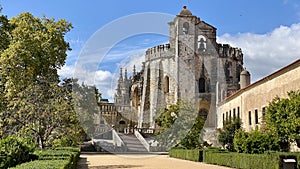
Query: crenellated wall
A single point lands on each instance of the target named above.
(225, 50)
(158, 52)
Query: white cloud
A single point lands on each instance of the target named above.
(103, 80)
(265, 53)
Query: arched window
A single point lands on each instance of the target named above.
(185, 28)
(167, 84)
(203, 113)
(201, 85)
(201, 43)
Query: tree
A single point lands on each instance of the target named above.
(283, 119)
(35, 102)
(256, 142)
(71, 132)
(5, 30)
(226, 135)
(86, 105)
(181, 126)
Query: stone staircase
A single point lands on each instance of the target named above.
(132, 143)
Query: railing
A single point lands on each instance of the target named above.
(142, 140)
(116, 139)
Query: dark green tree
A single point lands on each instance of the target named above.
(283, 119)
(181, 126)
(255, 142)
(86, 105)
(226, 135)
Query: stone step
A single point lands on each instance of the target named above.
(132, 143)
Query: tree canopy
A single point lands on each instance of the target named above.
(226, 135)
(181, 126)
(32, 51)
(283, 119)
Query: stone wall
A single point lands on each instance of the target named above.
(251, 101)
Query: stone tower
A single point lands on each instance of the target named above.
(192, 67)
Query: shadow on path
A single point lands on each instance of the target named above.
(114, 166)
(82, 163)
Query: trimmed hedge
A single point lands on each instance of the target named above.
(44, 164)
(15, 150)
(192, 155)
(58, 158)
(247, 161)
(235, 160)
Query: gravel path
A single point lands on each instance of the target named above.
(109, 161)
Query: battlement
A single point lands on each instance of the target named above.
(225, 50)
(158, 51)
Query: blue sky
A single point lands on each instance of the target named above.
(268, 31)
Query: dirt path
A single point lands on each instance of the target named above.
(109, 161)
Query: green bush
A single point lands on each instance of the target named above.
(64, 142)
(44, 164)
(192, 155)
(226, 135)
(60, 153)
(15, 150)
(256, 142)
(247, 161)
(57, 158)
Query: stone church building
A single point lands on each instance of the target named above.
(191, 67)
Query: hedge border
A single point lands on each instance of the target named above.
(235, 160)
(58, 158)
(248, 161)
(192, 155)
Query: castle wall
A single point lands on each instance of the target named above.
(159, 64)
(257, 96)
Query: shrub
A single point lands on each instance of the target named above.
(255, 142)
(226, 135)
(60, 153)
(192, 155)
(247, 161)
(57, 158)
(15, 150)
(64, 142)
(239, 160)
(44, 164)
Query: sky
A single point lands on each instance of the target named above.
(267, 31)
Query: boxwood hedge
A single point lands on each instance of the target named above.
(215, 156)
(248, 161)
(58, 158)
(192, 155)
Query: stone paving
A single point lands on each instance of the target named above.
(135, 161)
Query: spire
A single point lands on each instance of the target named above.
(125, 74)
(134, 70)
(121, 74)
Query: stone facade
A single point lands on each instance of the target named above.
(191, 67)
(109, 117)
(249, 103)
